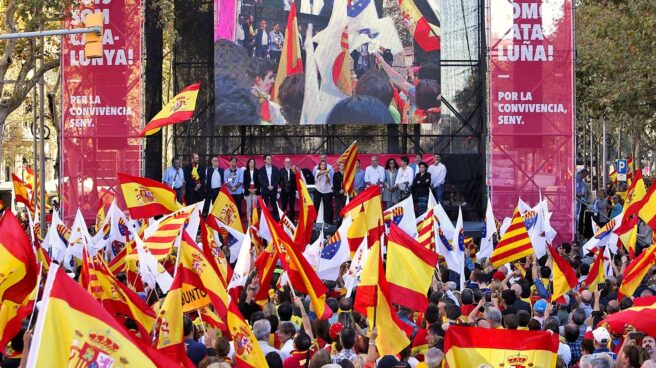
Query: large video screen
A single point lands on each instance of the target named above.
(286, 62)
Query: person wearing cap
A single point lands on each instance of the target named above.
(538, 310)
(601, 338)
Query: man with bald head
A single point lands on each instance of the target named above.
(586, 302)
(613, 306)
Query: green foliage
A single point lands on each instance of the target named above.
(616, 54)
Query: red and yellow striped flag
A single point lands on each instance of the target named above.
(87, 335)
(647, 210)
(564, 277)
(597, 273)
(514, 244)
(160, 242)
(410, 270)
(169, 328)
(374, 300)
(341, 70)
(178, 109)
(21, 193)
(146, 197)
(307, 214)
(18, 268)
(349, 158)
(225, 210)
(478, 347)
(116, 297)
(426, 231)
(290, 57)
(636, 270)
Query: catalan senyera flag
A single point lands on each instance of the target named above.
(410, 269)
(169, 328)
(116, 297)
(597, 273)
(636, 270)
(225, 210)
(87, 335)
(290, 57)
(341, 70)
(247, 350)
(370, 201)
(374, 300)
(478, 347)
(426, 230)
(164, 233)
(146, 197)
(514, 244)
(201, 271)
(425, 27)
(647, 211)
(307, 214)
(180, 108)
(349, 158)
(302, 276)
(564, 277)
(21, 193)
(18, 268)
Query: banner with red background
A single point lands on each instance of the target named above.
(532, 107)
(101, 106)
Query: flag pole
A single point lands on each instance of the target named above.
(202, 323)
(36, 291)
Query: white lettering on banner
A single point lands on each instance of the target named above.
(524, 33)
(507, 104)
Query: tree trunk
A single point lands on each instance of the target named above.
(154, 42)
(3, 119)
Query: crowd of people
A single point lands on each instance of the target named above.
(277, 186)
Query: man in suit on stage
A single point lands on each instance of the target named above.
(288, 188)
(213, 180)
(269, 180)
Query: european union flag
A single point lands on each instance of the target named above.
(461, 240)
(355, 7)
(331, 248)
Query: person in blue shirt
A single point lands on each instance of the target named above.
(233, 178)
(580, 192)
(174, 178)
(358, 182)
(195, 350)
(616, 209)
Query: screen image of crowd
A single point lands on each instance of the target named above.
(332, 62)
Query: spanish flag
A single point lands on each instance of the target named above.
(247, 350)
(146, 197)
(636, 270)
(425, 29)
(18, 268)
(302, 276)
(635, 195)
(225, 210)
(21, 193)
(479, 347)
(514, 244)
(410, 269)
(349, 158)
(177, 110)
(307, 214)
(169, 328)
(116, 297)
(597, 273)
(201, 271)
(374, 300)
(212, 250)
(265, 264)
(564, 277)
(356, 233)
(87, 335)
(647, 210)
(628, 235)
(370, 201)
(290, 57)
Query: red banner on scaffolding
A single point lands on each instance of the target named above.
(532, 107)
(101, 107)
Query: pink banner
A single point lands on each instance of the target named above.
(101, 106)
(225, 19)
(532, 107)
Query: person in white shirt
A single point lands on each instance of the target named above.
(174, 178)
(438, 176)
(404, 177)
(322, 157)
(374, 174)
(213, 180)
(286, 332)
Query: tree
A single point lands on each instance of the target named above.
(18, 57)
(615, 58)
